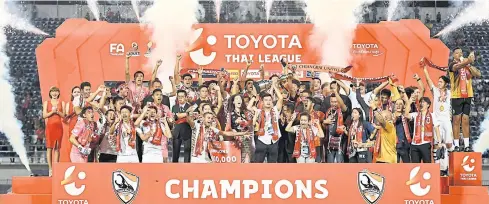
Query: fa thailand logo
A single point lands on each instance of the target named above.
(197, 56)
(69, 183)
(468, 165)
(125, 185)
(371, 186)
(415, 179)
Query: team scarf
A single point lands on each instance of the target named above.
(199, 141)
(464, 78)
(405, 126)
(339, 120)
(243, 125)
(318, 68)
(261, 131)
(342, 76)
(311, 139)
(356, 133)
(132, 139)
(157, 134)
(425, 123)
(88, 134)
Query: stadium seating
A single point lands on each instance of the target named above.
(23, 69)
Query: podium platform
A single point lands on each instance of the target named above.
(464, 184)
(29, 190)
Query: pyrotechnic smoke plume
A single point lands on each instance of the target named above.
(334, 22)
(134, 4)
(268, 7)
(93, 6)
(218, 4)
(394, 12)
(9, 124)
(171, 22)
(476, 13)
(482, 144)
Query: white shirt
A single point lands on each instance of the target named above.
(126, 150)
(147, 145)
(435, 122)
(355, 103)
(195, 133)
(267, 138)
(441, 110)
(77, 102)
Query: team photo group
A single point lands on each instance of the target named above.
(279, 119)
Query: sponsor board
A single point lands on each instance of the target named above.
(269, 183)
(465, 169)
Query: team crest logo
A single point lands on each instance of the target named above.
(134, 50)
(150, 47)
(125, 185)
(371, 186)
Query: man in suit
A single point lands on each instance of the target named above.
(156, 84)
(182, 133)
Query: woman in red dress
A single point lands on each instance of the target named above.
(70, 118)
(53, 114)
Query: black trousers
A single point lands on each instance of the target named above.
(403, 155)
(270, 151)
(421, 153)
(177, 143)
(362, 157)
(107, 158)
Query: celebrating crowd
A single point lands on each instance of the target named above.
(279, 119)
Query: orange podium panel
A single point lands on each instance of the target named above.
(31, 185)
(444, 185)
(25, 199)
(465, 169)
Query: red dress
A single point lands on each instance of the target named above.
(54, 126)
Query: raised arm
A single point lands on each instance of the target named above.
(428, 79)
(280, 98)
(127, 74)
(155, 72)
(176, 71)
(93, 95)
(380, 119)
(219, 99)
(289, 127)
(344, 87)
(242, 78)
(167, 132)
(421, 86)
(200, 72)
(475, 72)
(173, 87)
(141, 116)
(380, 87)
(340, 101)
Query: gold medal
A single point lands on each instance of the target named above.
(442, 108)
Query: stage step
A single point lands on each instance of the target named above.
(468, 190)
(25, 199)
(445, 185)
(464, 199)
(31, 185)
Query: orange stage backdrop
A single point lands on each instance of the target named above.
(94, 51)
(237, 183)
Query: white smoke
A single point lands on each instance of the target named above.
(218, 4)
(393, 11)
(134, 4)
(482, 144)
(268, 8)
(93, 6)
(10, 125)
(171, 24)
(475, 13)
(334, 22)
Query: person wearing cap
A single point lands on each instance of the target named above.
(53, 114)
